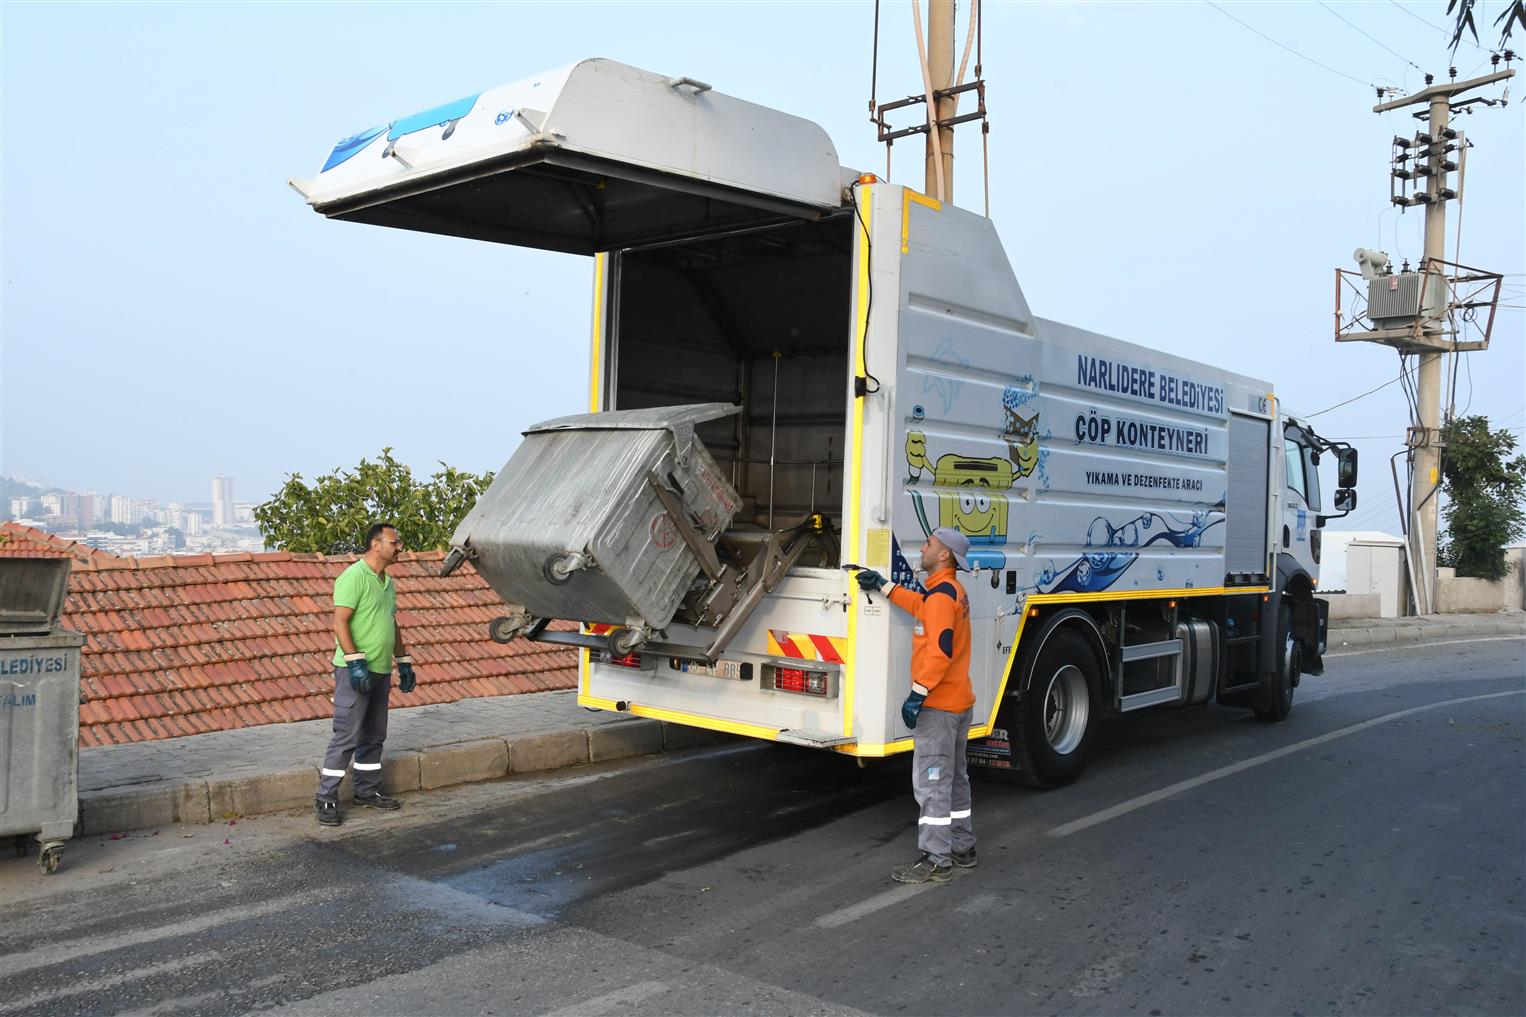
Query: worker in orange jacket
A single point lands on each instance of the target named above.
(940, 707)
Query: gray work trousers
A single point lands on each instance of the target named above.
(940, 779)
(360, 728)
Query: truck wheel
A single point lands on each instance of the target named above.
(1057, 715)
(1276, 701)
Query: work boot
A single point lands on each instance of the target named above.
(377, 800)
(327, 812)
(965, 859)
(922, 871)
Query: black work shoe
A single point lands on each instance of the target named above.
(377, 800)
(965, 859)
(328, 813)
(922, 871)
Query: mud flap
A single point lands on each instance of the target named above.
(1311, 623)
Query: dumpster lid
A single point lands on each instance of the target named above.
(592, 157)
(680, 420)
(655, 418)
(32, 591)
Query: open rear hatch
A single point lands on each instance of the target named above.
(593, 157)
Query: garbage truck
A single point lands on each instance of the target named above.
(798, 369)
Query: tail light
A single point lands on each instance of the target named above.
(797, 679)
(632, 660)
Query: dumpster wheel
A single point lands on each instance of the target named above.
(624, 642)
(503, 630)
(52, 854)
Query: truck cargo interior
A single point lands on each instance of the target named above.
(742, 318)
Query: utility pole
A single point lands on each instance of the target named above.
(940, 68)
(1430, 338)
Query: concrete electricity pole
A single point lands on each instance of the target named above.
(1434, 147)
(940, 68)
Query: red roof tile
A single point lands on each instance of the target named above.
(182, 645)
(17, 540)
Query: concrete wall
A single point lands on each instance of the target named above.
(1344, 606)
(1461, 595)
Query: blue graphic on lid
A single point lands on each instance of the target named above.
(349, 146)
(439, 116)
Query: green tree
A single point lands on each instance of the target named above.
(1513, 15)
(1484, 482)
(331, 515)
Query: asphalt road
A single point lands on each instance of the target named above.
(1367, 856)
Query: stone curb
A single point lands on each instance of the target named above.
(216, 798)
(1420, 632)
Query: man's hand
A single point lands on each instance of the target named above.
(360, 672)
(870, 580)
(911, 708)
(406, 679)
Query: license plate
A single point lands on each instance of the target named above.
(720, 669)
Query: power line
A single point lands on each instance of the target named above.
(1432, 24)
(1364, 395)
(1283, 45)
(1372, 38)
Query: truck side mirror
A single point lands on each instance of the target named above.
(1345, 473)
(1345, 497)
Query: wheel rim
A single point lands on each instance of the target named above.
(1292, 666)
(1067, 707)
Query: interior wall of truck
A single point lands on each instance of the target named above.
(761, 319)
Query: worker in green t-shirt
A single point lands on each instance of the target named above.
(367, 642)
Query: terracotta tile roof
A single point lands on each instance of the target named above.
(193, 643)
(17, 541)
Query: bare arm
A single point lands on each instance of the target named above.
(398, 649)
(342, 629)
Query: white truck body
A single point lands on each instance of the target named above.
(892, 378)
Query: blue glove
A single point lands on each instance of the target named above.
(911, 708)
(360, 672)
(869, 580)
(406, 679)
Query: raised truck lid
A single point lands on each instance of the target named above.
(592, 157)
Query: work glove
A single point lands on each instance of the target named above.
(911, 708)
(360, 672)
(406, 679)
(870, 580)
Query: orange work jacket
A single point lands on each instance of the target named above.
(940, 642)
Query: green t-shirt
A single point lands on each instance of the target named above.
(373, 598)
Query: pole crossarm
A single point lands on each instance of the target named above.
(1447, 90)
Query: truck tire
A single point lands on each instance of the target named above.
(1276, 699)
(1057, 715)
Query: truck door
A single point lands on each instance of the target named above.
(1301, 502)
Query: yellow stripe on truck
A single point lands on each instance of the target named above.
(851, 537)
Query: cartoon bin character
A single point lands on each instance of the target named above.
(979, 509)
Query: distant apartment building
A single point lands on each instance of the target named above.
(222, 501)
(20, 507)
(192, 521)
(53, 504)
(173, 515)
(121, 509)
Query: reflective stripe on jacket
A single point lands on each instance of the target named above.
(940, 642)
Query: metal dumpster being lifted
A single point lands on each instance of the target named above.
(620, 520)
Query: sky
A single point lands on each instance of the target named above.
(1159, 172)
